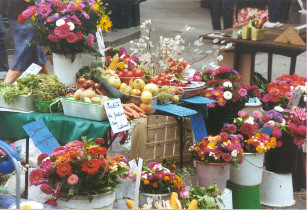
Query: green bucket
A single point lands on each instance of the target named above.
(245, 197)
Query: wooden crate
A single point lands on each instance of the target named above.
(163, 139)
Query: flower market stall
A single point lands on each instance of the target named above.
(117, 132)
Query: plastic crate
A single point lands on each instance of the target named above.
(42, 106)
(23, 103)
(85, 110)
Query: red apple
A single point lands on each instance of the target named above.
(147, 108)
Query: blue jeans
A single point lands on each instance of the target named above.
(4, 65)
(274, 10)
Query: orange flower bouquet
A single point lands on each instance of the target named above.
(78, 168)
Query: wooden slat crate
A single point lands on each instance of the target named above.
(163, 139)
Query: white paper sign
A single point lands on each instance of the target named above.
(32, 69)
(137, 183)
(297, 93)
(100, 43)
(116, 116)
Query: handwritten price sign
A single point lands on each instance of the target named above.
(41, 136)
(116, 116)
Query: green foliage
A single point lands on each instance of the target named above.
(10, 92)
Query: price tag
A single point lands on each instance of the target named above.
(32, 69)
(116, 116)
(198, 126)
(137, 183)
(297, 93)
(100, 43)
(41, 136)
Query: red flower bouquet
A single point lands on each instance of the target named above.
(78, 168)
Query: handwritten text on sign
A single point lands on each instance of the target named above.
(116, 115)
(41, 136)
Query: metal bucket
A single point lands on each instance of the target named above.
(226, 198)
(276, 189)
(250, 171)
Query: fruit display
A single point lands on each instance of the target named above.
(89, 96)
(169, 94)
(86, 84)
(162, 79)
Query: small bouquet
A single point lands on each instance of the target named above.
(281, 91)
(222, 148)
(156, 179)
(67, 27)
(78, 168)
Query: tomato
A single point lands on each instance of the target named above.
(120, 73)
(138, 73)
(169, 78)
(159, 82)
(165, 81)
(152, 80)
(128, 74)
(125, 71)
(134, 69)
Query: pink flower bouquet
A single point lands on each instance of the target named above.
(67, 27)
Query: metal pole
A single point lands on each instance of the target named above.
(27, 171)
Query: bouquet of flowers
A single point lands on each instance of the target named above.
(224, 86)
(67, 27)
(78, 168)
(157, 179)
(222, 148)
(280, 91)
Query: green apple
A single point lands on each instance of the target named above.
(138, 84)
(114, 81)
(153, 88)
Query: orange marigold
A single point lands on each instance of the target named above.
(90, 166)
(64, 170)
(146, 182)
(155, 185)
(166, 178)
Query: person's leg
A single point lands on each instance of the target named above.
(4, 64)
(228, 13)
(216, 10)
(25, 55)
(274, 10)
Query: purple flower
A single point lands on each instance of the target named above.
(271, 114)
(85, 15)
(233, 71)
(278, 117)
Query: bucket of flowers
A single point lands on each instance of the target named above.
(282, 90)
(224, 86)
(158, 182)
(254, 144)
(213, 156)
(67, 29)
(78, 175)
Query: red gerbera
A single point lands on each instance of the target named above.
(40, 158)
(285, 87)
(90, 166)
(247, 129)
(64, 170)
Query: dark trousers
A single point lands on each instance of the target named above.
(217, 10)
(274, 10)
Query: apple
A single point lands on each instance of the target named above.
(176, 99)
(179, 91)
(172, 90)
(146, 97)
(138, 84)
(135, 92)
(153, 88)
(127, 90)
(122, 86)
(147, 108)
(114, 81)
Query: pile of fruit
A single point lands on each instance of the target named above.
(162, 79)
(169, 94)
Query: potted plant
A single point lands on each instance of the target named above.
(254, 145)
(224, 86)
(67, 29)
(158, 181)
(213, 156)
(79, 175)
(282, 90)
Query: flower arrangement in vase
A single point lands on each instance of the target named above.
(281, 91)
(78, 168)
(67, 27)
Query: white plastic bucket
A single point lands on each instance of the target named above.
(276, 189)
(101, 201)
(250, 171)
(144, 198)
(65, 69)
(226, 198)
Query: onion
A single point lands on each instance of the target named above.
(97, 86)
(84, 85)
(81, 80)
(90, 83)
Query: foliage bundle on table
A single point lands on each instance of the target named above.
(222, 148)
(78, 168)
(280, 91)
(156, 179)
(67, 27)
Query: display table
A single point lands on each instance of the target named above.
(7, 201)
(267, 45)
(63, 128)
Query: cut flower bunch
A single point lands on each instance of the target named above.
(157, 179)
(222, 148)
(78, 168)
(67, 27)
